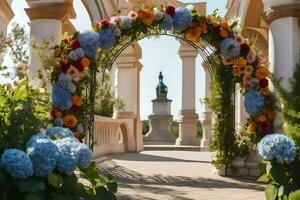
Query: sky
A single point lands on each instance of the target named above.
(157, 55)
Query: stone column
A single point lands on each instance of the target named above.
(6, 14)
(187, 115)
(206, 117)
(284, 39)
(46, 21)
(128, 90)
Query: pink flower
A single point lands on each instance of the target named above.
(74, 73)
(227, 61)
(115, 19)
(132, 15)
(246, 81)
(239, 39)
(249, 70)
(251, 56)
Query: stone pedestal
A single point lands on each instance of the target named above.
(188, 128)
(206, 119)
(160, 123)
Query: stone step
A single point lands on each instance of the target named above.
(159, 147)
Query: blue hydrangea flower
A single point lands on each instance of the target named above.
(61, 98)
(277, 146)
(65, 81)
(73, 55)
(126, 22)
(254, 102)
(79, 128)
(36, 137)
(68, 157)
(182, 18)
(230, 48)
(79, 52)
(84, 155)
(106, 38)
(17, 163)
(89, 42)
(59, 132)
(167, 23)
(59, 122)
(43, 154)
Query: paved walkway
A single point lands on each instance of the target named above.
(174, 175)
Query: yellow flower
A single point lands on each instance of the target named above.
(262, 118)
(70, 121)
(251, 127)
(57, 52)
(240, 61)
(85, 62)
(224, 24)
(223, 33)
(265, 91)
(271, 115)
(77, 100)
(261, 73)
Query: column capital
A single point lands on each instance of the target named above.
(58, 11)
(280, 11)
(186, 50)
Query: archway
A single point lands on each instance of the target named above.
(230, 59)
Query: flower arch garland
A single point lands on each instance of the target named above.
(82, 55)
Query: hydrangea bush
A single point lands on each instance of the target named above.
(46, 169)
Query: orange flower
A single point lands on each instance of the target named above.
(261, 73)
(77, 100)
(85, 62)
(224, 24)
(262, 118)
(251, 127)
(57, 52)
(70, 121)
(56, 113)
(265, 91)
(240, 61)
(271, 115)
(193, 34)
(223, 33)
(146, 16)
(237, 71)
(203, 27)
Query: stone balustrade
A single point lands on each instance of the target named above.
(110, 136)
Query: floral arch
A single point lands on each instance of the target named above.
(231, 59)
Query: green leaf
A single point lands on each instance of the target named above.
(264, 178)
(280, 191)
(295, 195)
(112, 186)
(55, 179)
(32, 196)
(31, 185)
(271, 192)
(277, 174)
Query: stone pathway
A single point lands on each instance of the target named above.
(174, 175)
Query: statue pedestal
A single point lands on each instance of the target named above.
(160, 123)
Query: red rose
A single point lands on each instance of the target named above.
(74, 108)
(75, 44)
(64, 66)
(170, 10)
(245, 49)
(216, 29)
(264, 128)
(78, 65)
(104, 22)
(263, 83)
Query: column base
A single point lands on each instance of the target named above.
(188, 128)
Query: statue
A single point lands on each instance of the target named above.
(161, 89)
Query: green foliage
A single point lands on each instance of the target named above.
(106, 102)
(146, 127)
(291, 105)
(283, 180)
(23, 111)
(90, 186)
(223, 141)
